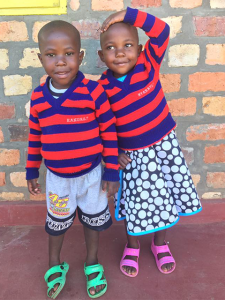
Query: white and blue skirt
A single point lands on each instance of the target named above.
(156, 188)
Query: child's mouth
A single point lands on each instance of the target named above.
(121, 63)
(62, 74)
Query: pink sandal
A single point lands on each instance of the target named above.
(129, 262)
(164, 260)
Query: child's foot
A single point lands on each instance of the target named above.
(55, 278)
(129, 269)
(92, 290)
(52, 277)
(167, 267)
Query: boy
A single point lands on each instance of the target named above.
(71, 127)
(157, 185)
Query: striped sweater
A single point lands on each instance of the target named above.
(141, 111)
(72, 133)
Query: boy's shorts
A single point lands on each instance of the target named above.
(84, 193)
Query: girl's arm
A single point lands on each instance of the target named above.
(157, 30)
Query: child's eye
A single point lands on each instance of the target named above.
(50, 55)
(128, 45)
(69, 53)
(110, 48)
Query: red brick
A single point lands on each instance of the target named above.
(188, 155)
(183, 107)
(12, 196)
(212, 132)
(38, 197)
(215, 54)
(209, 26)
(89, 29)
(18, 179)
(196, 179)
(170, 82)
(146, 3)
(9, 157)
(207, 81)
(214, 154)
(1, 135)
(216, 180)
(107, 5)
(18, 133)
(2, 178)
(214, 106)
(74, 4)
(13, 31)
(7, 111)
(185, 3)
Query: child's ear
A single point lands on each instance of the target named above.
(40, 58)
(139, 49)
(81, 56)
(100, 54)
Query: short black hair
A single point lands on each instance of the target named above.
(134, 29)
(58, 25)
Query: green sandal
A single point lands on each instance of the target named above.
(63, 269)
(96, 281)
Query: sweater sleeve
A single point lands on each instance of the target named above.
(106, 120)
(34, 157)
(157, 30)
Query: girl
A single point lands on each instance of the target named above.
(157, 186)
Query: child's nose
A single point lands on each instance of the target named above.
(61, 61)
(120, 52)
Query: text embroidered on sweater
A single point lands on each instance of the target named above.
(150, 87)
(74, 120)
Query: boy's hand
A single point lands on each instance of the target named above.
(111, 188)
(123, 160)
(33, 186)
(114, 18)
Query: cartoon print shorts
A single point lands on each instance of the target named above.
(84, 194)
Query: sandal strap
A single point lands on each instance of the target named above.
(63, 269)
(160, 249)
(129, 263)
(98, 280)
(95, 282)
(131, 251)
(93, 269)
(52, 283)
(166, 260)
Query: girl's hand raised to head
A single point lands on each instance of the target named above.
(114, 18)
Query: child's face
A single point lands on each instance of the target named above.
(60, 56)
(120, 49)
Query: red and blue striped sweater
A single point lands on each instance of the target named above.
(73, 132)
(141, 111)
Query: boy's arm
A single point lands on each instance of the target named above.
(106, 120)
(34, 156)
(157, 30)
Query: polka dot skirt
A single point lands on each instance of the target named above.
(157, 188)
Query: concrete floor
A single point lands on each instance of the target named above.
(198, 250)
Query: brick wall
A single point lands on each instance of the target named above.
(193, 78)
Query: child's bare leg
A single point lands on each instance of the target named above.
(55, 246)
(132, 242)
(159, 240)
(92, 239)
